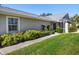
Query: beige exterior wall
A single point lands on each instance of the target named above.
(26, 24)
(2, 24)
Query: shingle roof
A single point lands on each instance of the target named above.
(14, 12)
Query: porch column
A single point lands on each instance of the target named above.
(66, 27)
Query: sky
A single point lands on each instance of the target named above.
(38, 9)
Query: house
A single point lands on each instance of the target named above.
(12, 20)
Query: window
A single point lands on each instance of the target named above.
(12, 24)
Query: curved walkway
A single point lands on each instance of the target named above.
(9, 49)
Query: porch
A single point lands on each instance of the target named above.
(63, 25)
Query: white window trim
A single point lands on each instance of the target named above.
(7, 23)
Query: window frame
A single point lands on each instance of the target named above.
(7, 24)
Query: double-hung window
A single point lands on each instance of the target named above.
(12, 24)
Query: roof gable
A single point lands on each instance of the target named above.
(59, 17)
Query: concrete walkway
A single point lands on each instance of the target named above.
(9, 49)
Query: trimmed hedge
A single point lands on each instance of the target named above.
(11, 39)
(59, 30)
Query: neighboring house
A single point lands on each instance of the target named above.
(12, 20)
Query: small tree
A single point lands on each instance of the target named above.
(43, 27)
(48, 27)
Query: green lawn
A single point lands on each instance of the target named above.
(64, 44)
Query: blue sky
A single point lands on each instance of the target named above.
(72, 9)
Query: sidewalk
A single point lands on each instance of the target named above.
(9, 49)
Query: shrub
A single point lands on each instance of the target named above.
(43, 27)
(72, 29)
(1, 40)
(7, 40)
(10, 39)
(52, 32)
(48, 27)
(18, 37)
(33, 34)
(59, 30)
(27, 35)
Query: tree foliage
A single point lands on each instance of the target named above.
(75, 18)
(45, 14)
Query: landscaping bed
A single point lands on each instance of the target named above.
(64, 44)
(11, 39)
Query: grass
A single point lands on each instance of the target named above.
(64, 44)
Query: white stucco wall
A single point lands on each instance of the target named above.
(26, 24)
(2, 24)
